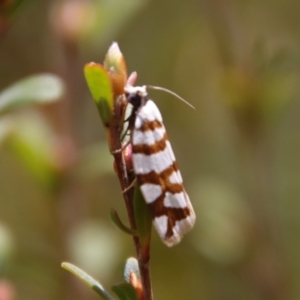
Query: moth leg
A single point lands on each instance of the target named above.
(126, 132)
(121, 149)
(131, 185)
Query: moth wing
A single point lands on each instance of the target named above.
(158, 175)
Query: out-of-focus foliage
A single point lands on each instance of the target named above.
(88, 280)
(7, 247)
(237, 62)
(37, 89)
(27, 134)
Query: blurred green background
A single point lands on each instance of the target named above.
(238, 63)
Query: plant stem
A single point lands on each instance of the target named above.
(126, 178)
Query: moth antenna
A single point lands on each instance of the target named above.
(170, 92)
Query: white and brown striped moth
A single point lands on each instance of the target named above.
(156, 169)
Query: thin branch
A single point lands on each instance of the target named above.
(125, 178)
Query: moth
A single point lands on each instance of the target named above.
(156, 168)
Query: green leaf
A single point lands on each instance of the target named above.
(125, 291)
(131, 265)
(100, 87)
(43, 88)
(142, 217)
(88, 280)
(117, 221)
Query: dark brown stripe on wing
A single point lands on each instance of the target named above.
(150, 125)
(150, 149)
(157, 206)
(158, 209)
(162, 179)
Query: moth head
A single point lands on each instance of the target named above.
(136, 95)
